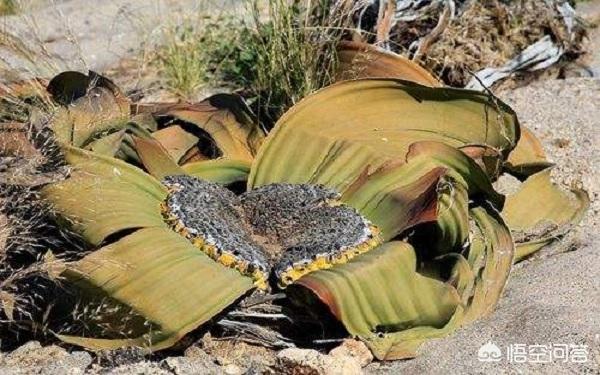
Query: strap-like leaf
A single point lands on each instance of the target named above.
(380, 293)
(362, 60)
(541, 212)
(330, 136)
(164, 278)
(395, 200)
(490, 257)
(155, 158)
(459, 165)
(105, 195)
(222, 171)
(100, 207)
(111, 168)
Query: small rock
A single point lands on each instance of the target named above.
(251, 359)
(118, 357)
(27, 348)
(195, 352)
(80, 360)
(232, 369)
(34, 358)
(311, 362)
(195, 361)
(561, 142)
(140, 368)
(355, 349)
(189, 366)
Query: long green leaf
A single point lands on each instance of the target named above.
(330, 136)
(104, 195)
(222, 171)
(164, 278)
(380, 293)
(107, 167)
(540, 212)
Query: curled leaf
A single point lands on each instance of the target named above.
(69, 86)
(362, 60)
(528, 157)
(379, 294)
(139, 271)
(540, 212)
(175, 140)
(92, 107)
(222, 125)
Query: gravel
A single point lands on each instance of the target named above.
(32, 358)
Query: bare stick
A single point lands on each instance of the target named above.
(443, 22)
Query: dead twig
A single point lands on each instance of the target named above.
(385, 23)
(443, 22)
(256, 334)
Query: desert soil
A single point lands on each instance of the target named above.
(551, 299)
(83, 34)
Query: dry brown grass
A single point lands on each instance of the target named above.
(29, 268)
(275, 54)
(486, 34)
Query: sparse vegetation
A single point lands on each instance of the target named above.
(193, 52)
(276, 55)
(8, 7)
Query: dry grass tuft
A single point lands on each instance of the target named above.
(32, 244)
(194, 53)
(274, 56)
(485, 34)
(295, 51)
(8, 7)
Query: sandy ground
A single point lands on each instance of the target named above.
(84, 34)
(591, 11)
(551, 299)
